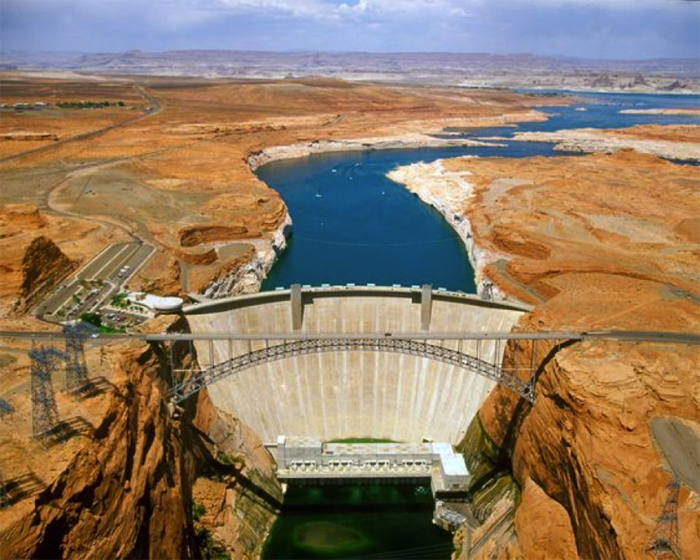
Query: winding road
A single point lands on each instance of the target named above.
(153, 106)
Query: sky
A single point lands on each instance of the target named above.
(609, 29)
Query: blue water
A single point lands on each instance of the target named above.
(353, 225)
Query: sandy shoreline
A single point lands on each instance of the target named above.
(450, 192)
(662, 112)
(589, 140)
(250, 278)
(411, 135)
(403, 142)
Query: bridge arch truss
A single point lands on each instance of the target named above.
(196, 380)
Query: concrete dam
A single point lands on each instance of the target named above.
(350, 393)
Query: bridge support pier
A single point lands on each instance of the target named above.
(426, 306)
(297, 307)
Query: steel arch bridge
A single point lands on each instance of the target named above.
(200, 379)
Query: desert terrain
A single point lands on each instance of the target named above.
(601, 241)
(476, 70)
(171, 167)
(595, 242)
(85, 163)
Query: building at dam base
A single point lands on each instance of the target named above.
(350, 393)
(305, 459)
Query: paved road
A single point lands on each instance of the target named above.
(102, 260)
(679, 442)
(153, 107)
(622, 336)
(646, 336)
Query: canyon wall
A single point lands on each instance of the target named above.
(584, 455)
(129, 492)
(248, 276)
(43, 266)
(596, 242)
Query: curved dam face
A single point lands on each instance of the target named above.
(351, 393)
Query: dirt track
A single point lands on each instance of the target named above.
(679, 442)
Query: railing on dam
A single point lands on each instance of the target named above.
(519, 377)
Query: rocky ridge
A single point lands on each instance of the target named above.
(591, 140)
(610, 258)
(129, 492)
(43, 266)
(247, 277)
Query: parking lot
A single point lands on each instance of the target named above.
(95, 283)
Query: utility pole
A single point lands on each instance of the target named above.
(76, 366)
(664, 541)
(44, 410)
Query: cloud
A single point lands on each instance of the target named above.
(337, 10)
(330, 10)
(584, 28)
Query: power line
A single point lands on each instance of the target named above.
(321, 241)
(44, 409)
(664, 541)
(76, 366)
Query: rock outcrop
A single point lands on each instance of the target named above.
(247, 276)
(128, 494)
(681, 144)
(237, 494)
(597, 242)
(43, 266)
(587, 446)
(193, 235)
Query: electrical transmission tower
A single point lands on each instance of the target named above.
(44, 410)
(664, 541)
(76, 366)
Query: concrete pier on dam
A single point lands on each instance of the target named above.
(350, 393)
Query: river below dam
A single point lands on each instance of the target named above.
(351, 224)
(357, 522)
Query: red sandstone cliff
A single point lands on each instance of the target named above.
(583, 454)
(43, 266)
(128, 494)
(616, 253)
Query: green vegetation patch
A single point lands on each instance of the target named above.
(479, 450)
(89, 104)
(108, 329)
(92, 318)
(120, 300)
(198, 510)
(228, 459)
(208, 548)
